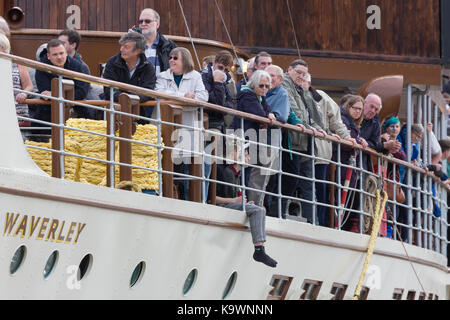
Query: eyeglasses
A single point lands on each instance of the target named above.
(418, 135)
(357, 109)
(262, 86)
(173, 58)
(147, 21)
(300, 73)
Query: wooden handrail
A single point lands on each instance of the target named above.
(102, 103)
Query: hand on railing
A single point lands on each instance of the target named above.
(323, 132)
(46, 93)
(272, 118)
(352, 141)
(301, 126)
(393, 146)
(447, 183)
(21, 97)
(190, 95)
(334, 135)
(363, 142)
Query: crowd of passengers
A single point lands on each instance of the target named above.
(148, 59)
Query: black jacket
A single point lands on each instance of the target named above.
(117, 70)
(218, 93)
(371, 131)
(248, 102)
(163, 50)
(44, 79)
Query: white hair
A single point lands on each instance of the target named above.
(254, 81)
(308, 77)
(276, 68)
(374, 95)
(155, 14)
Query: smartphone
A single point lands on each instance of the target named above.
(137, 29)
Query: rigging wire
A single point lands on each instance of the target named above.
(406, 252)
(231, 41)
(189, 33)
(293, 28)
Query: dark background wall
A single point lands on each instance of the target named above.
(408, 27)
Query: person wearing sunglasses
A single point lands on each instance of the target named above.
(251, 99)
(181, 80)
(158, 47)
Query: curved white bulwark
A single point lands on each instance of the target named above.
(120, 229)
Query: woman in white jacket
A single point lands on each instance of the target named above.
(182, 80)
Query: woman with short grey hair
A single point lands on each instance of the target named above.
(255, 80)
(251, 99)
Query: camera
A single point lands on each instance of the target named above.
(137, 29)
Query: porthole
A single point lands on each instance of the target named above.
(50, 264)
(84, 267)
(230, 285)
(190, 280)
(17, 259)
(137, 274)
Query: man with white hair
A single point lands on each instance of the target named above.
(158, 47)
(371, 129)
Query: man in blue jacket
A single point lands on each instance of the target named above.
(278, 100)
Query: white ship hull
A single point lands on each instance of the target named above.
(173, 237)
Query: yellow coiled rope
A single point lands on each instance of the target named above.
(378, 215)
(94, 172)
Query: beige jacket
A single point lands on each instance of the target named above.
(332, 121)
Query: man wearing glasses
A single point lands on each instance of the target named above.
(158, 47)
(304, 111)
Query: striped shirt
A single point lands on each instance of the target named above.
(150, 53)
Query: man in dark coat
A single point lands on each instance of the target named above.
(130, 66)
(371, 130)
(57, 56)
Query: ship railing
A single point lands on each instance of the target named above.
(419, 226)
